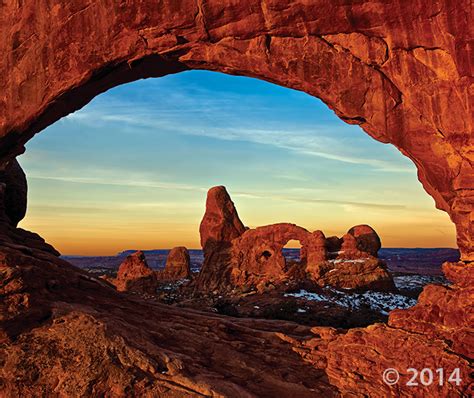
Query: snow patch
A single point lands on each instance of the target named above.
(377, 301)
(341, 260)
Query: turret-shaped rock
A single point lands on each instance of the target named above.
(178, 265)
(220, 223)
(134, 275)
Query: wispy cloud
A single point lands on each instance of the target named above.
(122, 183)
(184, 187)
(216, 119)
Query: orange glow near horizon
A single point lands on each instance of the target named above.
(114, 233)
(131, 169)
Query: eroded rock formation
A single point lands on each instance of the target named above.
(401, 70)
(57, 323)
(134, 275)
(221, 223)
(178, 265)
(238, 260)
(219, 226)
(353, 262)
(256, 258)
(405, 78)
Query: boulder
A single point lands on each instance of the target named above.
(178, 265)
(134, 275)
(366, 239)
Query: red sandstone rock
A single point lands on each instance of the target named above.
(219, 226)
(59, 323)
(177, 265)
(443, 312)
(357, 360)
(404, 77)
(367, 240)
(134, 275)
(221, 222)
(333, 244)
(359, 242)
(357, 274)
(353, 262)
(460, 273)
(254, 259)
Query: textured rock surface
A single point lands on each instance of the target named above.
(400, 69)
(219, 226)
(367, 240)
(359, 274)
(238, 260)
(444, 312)
(177, 265)
(353, 262)
(404, 77)
(134, 275)
(63, 332)
(256, 258)
(221, 223)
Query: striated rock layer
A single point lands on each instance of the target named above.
(404, 77)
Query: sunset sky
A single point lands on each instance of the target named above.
(131, 169)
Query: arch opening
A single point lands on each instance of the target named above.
(292, 252)
(292, 184)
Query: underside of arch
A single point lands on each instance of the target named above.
(368, 62)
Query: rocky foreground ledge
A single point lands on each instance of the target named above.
(64, 332)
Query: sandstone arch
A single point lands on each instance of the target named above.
(405, 76)
(405, 79)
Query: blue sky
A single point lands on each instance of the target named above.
(131, 169)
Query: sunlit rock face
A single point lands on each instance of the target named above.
(219, 226)
(405, 79)
(178, 265)
(134, 275)
(402, 71)
(238, 259)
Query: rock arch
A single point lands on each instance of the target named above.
(405, 80)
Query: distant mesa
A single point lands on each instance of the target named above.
(238, 259)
